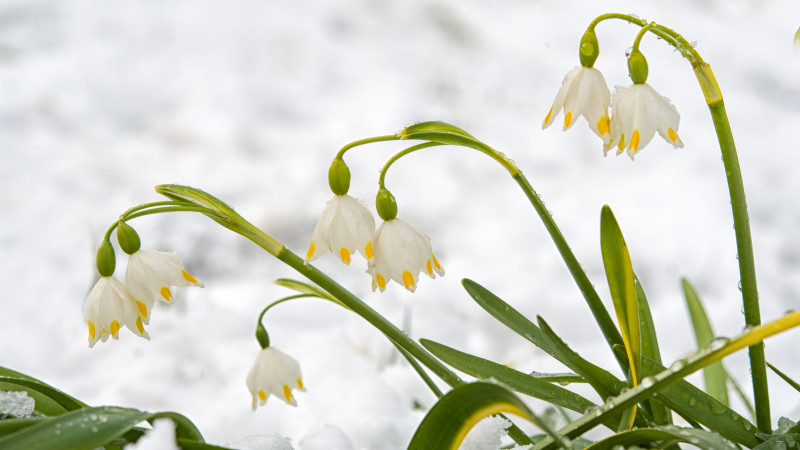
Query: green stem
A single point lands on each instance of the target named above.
(388, 137)
(155, 208)
(744, 243)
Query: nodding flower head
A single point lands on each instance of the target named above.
(638, 112)
(108, 308)
(401, 253)
(345, 227)
(274, 373)
(583, 93)
(149, 276)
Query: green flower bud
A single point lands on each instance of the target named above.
(339, 177)
(386, 204)
(589, 49)
(128, 238)
(262, 336)
(637, 67)
(105, 260)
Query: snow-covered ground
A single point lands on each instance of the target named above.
(248, 100)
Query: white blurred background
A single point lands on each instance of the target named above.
(248, 100)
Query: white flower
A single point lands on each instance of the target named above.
(275, 373)
(583, 93)
(346, 226)
(149, 276)
(109, 307)
(637, 112)
(401, 253)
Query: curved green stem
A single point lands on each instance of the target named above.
(741, 220)
(154, 208)
(388, 137)
(399, 155)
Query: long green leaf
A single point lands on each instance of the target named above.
(520, 382)
(679, 370)
(448, 422)
(619, 272)
(506, 314)
(86, 428)
(703, 439)
(714, 376)
(305, 288)
(650, 350)
(49, 401)
(785, 377)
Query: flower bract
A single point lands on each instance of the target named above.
(149, 276)
(274, 373)
(109, 307)
(637, 113)
(584, 92)
(401, 253)
(345, 227)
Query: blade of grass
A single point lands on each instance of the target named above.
(714, 375)
(650, 349)
(703, 439)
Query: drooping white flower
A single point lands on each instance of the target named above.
(150, 274)
(274, 373)
(109, 307)
(346, 226)
(637, 113)
(401, 253)
(584, 92)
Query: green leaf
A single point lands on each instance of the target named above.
(699, 438)
(714, 376)
(619, 273)
(785, 377)
(660, 413)
(783, 441)
(520, 382)
(679, 370)
(506, 314)
(450, 419)
(86, 428)
(49, 400)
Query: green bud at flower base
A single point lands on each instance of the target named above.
(386, 204)
(262, 336)
(106, 260)
(128, 238)
(589, 49)
(637, 67)
(339, 177)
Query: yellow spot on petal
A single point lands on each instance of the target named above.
(287, 393)
(547, 118)
(262, 396)
(621, 145)
(300, 383)
(634, 144)
(673, 136)
(344, 253)
(114, 328)
(408, 279)
(603, 125)
(381, 281)
(188, 277)
(92, 331)
(430, 268)
(435, 262)
(311, 249)
(139, 325)
(368, 250)
(166, 293)
(142, 308)
(567, 119)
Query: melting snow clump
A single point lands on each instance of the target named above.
(487, 434)
(16, 403)
(263, 442)
(161, 437)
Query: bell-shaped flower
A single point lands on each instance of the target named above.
(150, 274)
(346, 226)
(274, 373)
(109, 307)
(584, 92)
(401, 253)
(637, 113)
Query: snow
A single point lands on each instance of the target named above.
(16, 404)
(486, 434)
(247, 100)
(161, 437)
